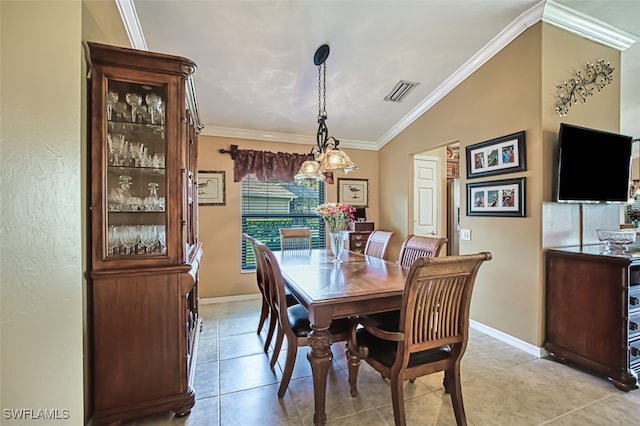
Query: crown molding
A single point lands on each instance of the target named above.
(132, 24)
(261, 135)
(506, 36)
(585, 26)
(546, 11)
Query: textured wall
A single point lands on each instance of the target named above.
(41, 220)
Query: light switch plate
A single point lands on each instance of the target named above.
(465, 234)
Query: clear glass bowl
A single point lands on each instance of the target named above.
(615, 240)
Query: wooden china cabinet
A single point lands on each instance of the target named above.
(143, 237)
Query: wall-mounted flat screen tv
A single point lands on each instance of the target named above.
(594, 166)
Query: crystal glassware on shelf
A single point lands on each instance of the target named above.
(153, 102)
(134, 100)
(113, 240)
(149, 238)
(112, 98)
(152, 202)
(125, 187)
(160, 109)
(122, 112)
(142, 114)
(117, 146)
(162, 239)
(129, 237)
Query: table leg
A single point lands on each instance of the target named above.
(319, 357)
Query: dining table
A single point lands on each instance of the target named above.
(355, 285)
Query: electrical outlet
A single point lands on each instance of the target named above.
(465, 234)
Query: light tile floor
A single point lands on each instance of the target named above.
(502, 385)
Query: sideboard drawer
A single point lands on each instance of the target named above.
(634, 352)
(634, 325)
(357, 241)
(634, 299)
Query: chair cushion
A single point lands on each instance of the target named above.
(299, 321)
(388, 321)
(384, 351)
(291, 300)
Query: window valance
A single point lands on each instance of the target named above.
(265, 165)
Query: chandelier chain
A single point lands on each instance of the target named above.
(322, 90)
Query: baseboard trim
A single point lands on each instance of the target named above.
(238, 298)
(510, 340)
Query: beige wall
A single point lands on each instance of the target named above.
(220, 227)
(42, 227)
(511, 92)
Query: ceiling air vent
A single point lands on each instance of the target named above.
(400, 91)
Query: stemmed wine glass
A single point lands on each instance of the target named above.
(134, 100)
(129, 238)
(149, 237)
(153, 102)
(112, 98)
(162, 238)
(113, 239)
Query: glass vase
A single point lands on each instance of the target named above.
(337, 245)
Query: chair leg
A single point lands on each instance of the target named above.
(292, 349)
(272, 326)
(278, 345)
(264, 313)
(397, 399)
(452, 378)
(353, 361)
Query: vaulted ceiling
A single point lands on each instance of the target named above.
(256, 77)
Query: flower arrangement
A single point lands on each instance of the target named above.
(336, 215)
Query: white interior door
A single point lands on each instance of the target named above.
(426, 195)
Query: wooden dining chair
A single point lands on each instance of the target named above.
(295, 239)
(430, 335)
(293, 321)
(415, 246)
(266, 312)
(378, 243)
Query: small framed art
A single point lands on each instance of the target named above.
(354, 192)
(506, 154)
(211, 188)
(496, 198)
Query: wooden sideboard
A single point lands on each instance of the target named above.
(357, 236)
(356, 241)
(593, 312)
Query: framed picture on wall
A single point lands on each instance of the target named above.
(211, 188)
(354, 192)
(506, 154)
(496, 198)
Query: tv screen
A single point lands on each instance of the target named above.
(593, 166)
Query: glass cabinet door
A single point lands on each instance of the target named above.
(136, 179)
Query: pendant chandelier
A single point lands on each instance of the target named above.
(325, 156)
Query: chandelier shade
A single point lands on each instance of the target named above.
(325, 156)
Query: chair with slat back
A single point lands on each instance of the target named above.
(293, 321)
(265, 311)
(431, 332)
(295, 239)
(415, 246)
(378, 243)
